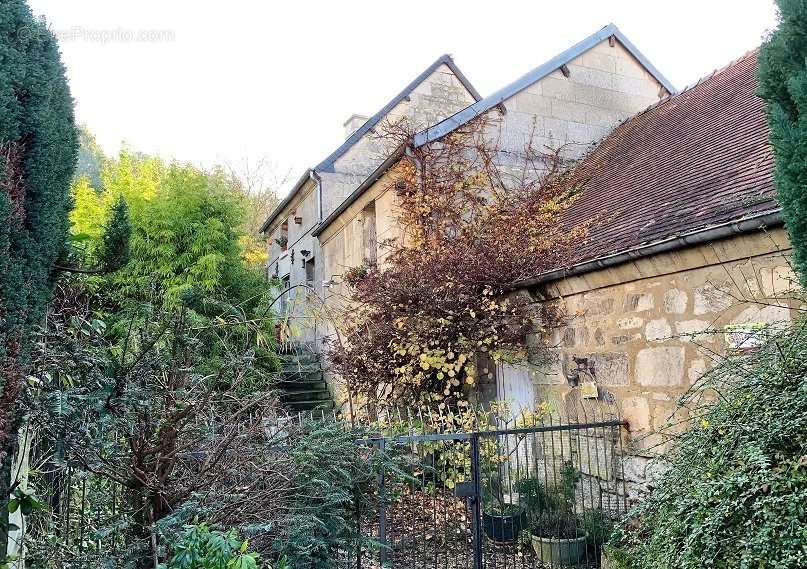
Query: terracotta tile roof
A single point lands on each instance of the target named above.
(694, 160)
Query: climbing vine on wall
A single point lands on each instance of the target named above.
(473, 220)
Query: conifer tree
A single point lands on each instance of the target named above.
(115, 241)
(38, 146)
(783, 83)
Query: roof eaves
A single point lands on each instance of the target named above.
(360, 189)
(287, 200)
(462, 117)
(738, 226)
(327, 165)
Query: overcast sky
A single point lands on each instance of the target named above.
(214, 81)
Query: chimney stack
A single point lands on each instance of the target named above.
(353, 123)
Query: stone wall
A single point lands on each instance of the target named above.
(436, 97)
(605, 85)
(646, 330)
(342, 248)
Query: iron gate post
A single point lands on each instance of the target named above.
(476, 503)
(382, 499)
(357, 500)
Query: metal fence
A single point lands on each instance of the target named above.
(84, 511)
(474, 489)
(532, 491)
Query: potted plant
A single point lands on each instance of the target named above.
(557, 535)
(558, 539)
(598, 528)
(502, 520)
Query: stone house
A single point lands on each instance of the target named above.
(294, 254)
(572, 100)
(690, 248)
(687, 249)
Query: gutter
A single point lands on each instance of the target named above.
(355, 194)
(770, 218)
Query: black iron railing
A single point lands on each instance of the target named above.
(472, 490)
(538, 493)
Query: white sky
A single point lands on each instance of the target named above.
(277, 79)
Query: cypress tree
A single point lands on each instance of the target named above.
(38, 148)
(783, 83)
(115, 240)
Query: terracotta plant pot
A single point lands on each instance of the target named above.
(558, 552)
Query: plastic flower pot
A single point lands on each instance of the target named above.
(558, 551)
(503, 527)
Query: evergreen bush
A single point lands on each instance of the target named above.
(38, 148)
(783, 83)
(736, 488)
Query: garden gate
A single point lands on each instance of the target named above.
(541, 490)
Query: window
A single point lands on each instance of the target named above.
(285, 283)
(283, 238)
(310, 271)
(368, 234)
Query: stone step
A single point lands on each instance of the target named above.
(309, 376)
(309, 405)
(303, 386)
(300, 368)
(296, 347)
(301, 358)
(306, 395)
(301, 382)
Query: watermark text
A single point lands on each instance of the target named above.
(113, 35)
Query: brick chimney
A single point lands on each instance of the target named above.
(353, 123)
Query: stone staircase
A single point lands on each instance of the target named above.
(302, 384)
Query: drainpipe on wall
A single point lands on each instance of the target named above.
(318, 181)
(320, 211)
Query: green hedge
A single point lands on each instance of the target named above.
(735, 494)
(38, 148)
(783, 83)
